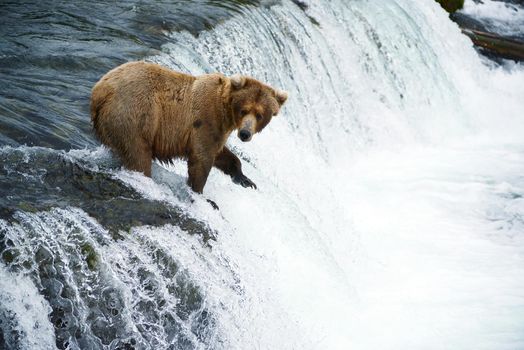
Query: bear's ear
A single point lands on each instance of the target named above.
(281, 96)
(238, 81)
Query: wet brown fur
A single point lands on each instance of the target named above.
(144, 111)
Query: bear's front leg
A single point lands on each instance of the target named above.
(230, 165)
(198, 171)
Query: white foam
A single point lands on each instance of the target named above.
(24, 312)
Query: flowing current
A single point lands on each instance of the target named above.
(389, 212)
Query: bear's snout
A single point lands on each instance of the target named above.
(244, 135)
(247, 128)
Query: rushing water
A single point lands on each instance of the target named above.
(501, 17)
(390, 208)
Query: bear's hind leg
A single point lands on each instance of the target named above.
(138, 157)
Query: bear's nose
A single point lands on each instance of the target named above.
(244, 135)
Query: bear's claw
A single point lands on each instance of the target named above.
(244, 181)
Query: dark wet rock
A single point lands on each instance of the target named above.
(40, 180)
(89, 255)
(451, 5)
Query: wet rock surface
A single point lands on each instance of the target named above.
(39, 180)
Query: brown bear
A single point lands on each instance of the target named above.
(144, 111)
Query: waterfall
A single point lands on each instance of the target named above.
(389, 212)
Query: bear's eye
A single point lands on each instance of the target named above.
(259, 117)
(244, 112)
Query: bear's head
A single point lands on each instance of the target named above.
(253, 104)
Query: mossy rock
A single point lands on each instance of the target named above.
(90, 256)
(451, 5)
